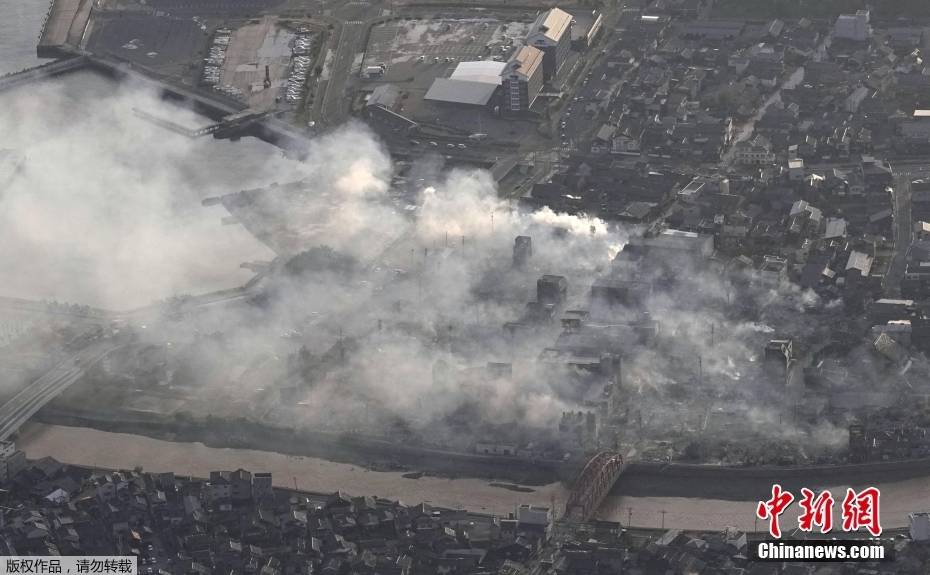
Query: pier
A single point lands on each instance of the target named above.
(64, 27)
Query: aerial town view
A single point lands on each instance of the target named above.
(465, 287)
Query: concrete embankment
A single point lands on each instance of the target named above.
(714, 497)
(43, 71)
(747, 483)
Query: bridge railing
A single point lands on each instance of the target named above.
(593, 484)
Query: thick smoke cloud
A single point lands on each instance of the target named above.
(105, 209)
(392, 322)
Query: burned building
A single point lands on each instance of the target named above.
(578, 431)
(551, 289)
(522, 251)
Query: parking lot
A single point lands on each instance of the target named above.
(251, 48)
(416, 51)
(167, 44)
(400, 46)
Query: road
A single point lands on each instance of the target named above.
(745, 131)
(903, 234)
(350, 41)
(905, 172)
(575, 125)
(15, 412)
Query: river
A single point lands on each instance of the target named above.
(20, 25)
(108, 450)
(119, 450)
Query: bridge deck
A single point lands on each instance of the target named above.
(593, 484)
(64, 26)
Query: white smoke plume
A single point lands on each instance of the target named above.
(402, 305)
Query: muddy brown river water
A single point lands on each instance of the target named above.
(119, 450)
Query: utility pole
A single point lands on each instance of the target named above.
(663, 518)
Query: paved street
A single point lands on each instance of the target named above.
(905, 171)
(903, 227)
(350, 41)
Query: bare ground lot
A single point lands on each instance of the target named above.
(170, 45)
(252, 47)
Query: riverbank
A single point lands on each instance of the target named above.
(356, 450)
(706, 497)
(898, 499)
(727, 483)
(91, 447)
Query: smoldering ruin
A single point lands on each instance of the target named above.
(406, 301)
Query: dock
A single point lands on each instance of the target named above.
(64, 27)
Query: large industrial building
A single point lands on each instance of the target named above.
(513, 85)
(522, 79)
(552, 34)
(472, 83)
(475, 83)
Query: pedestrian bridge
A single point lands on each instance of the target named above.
(229, 123)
